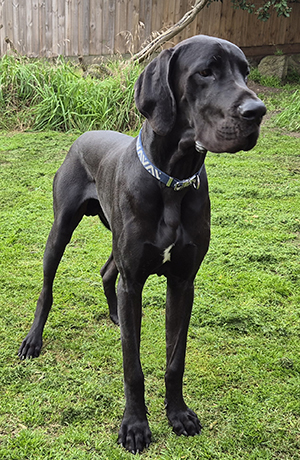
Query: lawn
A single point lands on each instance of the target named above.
(243, 362)
(242, 367)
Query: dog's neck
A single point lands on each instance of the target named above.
(175, 153)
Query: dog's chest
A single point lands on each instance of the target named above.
(177, 239)
(176, 258)
(167, 253)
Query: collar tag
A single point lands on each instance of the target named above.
(194, 181)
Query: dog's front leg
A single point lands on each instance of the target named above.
(134, 432)
(178, 311)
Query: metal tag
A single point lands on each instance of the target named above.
(196, 183)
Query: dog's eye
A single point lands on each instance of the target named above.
(246, 75)
(206, 73)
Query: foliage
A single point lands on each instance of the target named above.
(36, 94)
(264, 8)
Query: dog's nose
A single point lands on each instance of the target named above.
(252, 110)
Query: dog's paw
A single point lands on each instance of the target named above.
(30, 347)
(134, 434)
(184, 422)
(115, 319)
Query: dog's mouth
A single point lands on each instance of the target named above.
(229, 137)
(231, 130)
(238, 136)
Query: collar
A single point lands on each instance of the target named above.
(169, 181)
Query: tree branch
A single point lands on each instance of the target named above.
(171, 32)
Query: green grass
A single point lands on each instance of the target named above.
(284, 107)
(264, 80)
(39, 95)
(289, 118)
(242, 366)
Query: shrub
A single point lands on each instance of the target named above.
(41, 95)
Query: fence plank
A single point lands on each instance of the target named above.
(42, 28)
(105, 49)
(135, 24)
(67, 30)
(48, 28)
(95, 27)
(15, 24)
(157, 16)
(61, 14)
(33, 49)
(22, 27)
(111, 25)
(28, 27)
(74, 28)
(54, 14)
(8, 23)
(121, 27)
(146, 20)
(84, 27)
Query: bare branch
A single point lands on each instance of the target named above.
(171, 32)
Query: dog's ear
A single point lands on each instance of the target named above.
(153, 95)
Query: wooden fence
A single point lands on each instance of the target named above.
(103, 27)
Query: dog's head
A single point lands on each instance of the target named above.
(202, 84)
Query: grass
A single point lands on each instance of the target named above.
(242, 370)
(264, 80)
(35, 94)
(289, 118)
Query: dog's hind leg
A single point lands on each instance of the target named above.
(70, 205)
(109, 273)
(59, 237)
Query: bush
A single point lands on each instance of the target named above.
(39, 95)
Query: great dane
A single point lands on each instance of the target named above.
(152, 193)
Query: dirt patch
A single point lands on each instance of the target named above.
(260, 89)
(267, 90)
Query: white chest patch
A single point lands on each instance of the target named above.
(167, 253)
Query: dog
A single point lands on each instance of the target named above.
(152, 193)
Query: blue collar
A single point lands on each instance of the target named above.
(169, 181)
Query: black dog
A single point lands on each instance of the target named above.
(152, 193)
